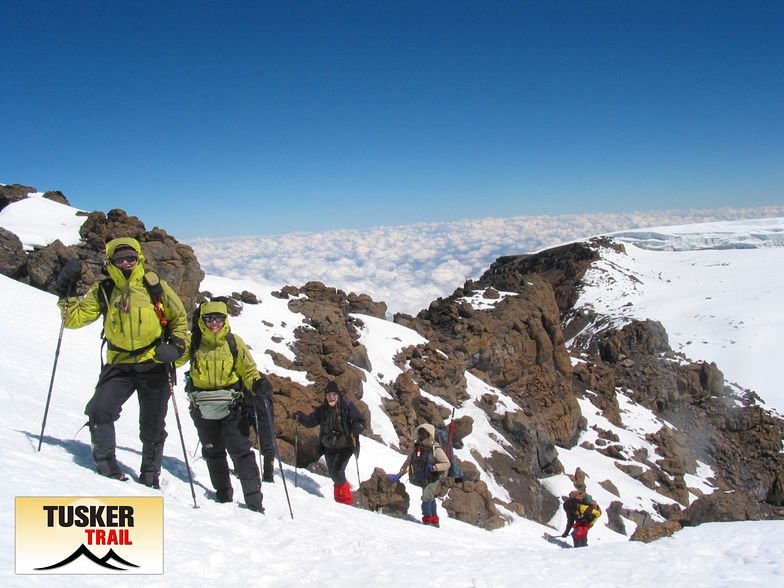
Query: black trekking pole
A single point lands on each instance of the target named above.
(275, 447)
(51, 380)
(170, 377)
(296, 450)
(359, 483)
(258, 442)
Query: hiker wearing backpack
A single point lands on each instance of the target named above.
(144, 327)
(222, 371)
(426, 465)
(581, 512)
(340, 425)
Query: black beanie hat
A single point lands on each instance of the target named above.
(332, 387)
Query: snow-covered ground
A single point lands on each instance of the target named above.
(722, 305)
(326, 543)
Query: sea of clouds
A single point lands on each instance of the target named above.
(409, 266)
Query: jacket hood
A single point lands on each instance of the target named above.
(138, 270)
(112, 246)
(213, 308)
(430, 430)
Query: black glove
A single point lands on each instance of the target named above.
(167, 353)
(565, 534)
(262, 390)
(178, 343)
(67, 278)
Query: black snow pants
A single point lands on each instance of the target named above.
(222, 435)
(115, 386)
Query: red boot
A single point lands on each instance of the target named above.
(434, 521)
(343, 494)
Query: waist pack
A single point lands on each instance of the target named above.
(214, 405)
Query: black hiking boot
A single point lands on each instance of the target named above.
(150, 479)
(254, 502)
(253, 497)
(117, 476)
(224, 495)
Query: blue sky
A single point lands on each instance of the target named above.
(220, 118)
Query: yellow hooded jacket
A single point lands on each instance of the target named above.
(130, 323)
(212, 364)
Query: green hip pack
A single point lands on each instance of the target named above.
(213, 405)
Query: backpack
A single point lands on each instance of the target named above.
(443, 439)
(152, 284)
(417, 467)
(592, 512)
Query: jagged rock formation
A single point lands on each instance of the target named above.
(12, 256)
(173, 261)
(518, 347)
(740, 441)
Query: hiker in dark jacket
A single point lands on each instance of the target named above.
(341, 423)
(217, 381)
(581, 513)
(139, 345)
(426, 465)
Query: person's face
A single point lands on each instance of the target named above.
(214, 322)
(332, 398)
(422, 435)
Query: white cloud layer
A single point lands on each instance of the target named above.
(409, 266)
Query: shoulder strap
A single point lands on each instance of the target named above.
(152, 284)
(232, 346)
(105, 289)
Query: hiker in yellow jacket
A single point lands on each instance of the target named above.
(221, 371)
(582, 512)
(145, 326)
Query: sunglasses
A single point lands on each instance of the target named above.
(214, 318)
(120, 259)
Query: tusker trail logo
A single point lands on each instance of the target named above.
(89, 535)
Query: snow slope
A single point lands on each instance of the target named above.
(326, 543)
(38, 221)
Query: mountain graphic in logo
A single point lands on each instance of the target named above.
(101, 561)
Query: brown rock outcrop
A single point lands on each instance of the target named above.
(13, 193)
(12, 256)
